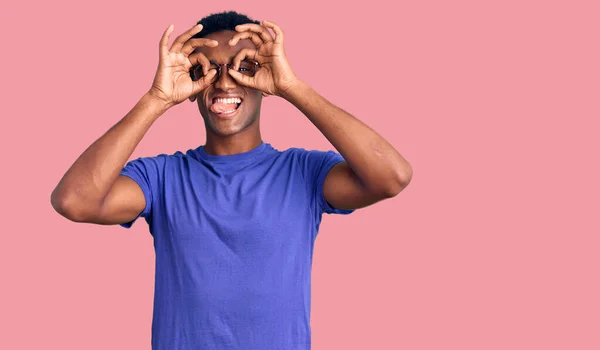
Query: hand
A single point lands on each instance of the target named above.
(172, 83)
(274, 75)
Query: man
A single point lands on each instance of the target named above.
(233, 221)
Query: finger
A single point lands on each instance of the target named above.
(244, 54)
(198, 59)
(193, 44)
(242, 79)
(276, 29)
(264, 33)
(181, 39)
(203, 82)
(164, 41)
(256, 39)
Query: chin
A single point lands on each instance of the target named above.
(225, 131)
(227, 127)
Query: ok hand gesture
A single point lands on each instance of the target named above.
(172, 83)
(275, 75)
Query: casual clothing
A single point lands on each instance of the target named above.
(233, 237)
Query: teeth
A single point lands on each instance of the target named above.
(229, 100)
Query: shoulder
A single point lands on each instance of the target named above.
(156, 163)
(309, 154)
(313, 162)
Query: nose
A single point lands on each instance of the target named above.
(225, 81)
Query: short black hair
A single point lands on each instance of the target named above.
(217, 22)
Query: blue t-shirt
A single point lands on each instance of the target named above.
(233, 237)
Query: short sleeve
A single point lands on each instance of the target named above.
(146, 172)
(316, 165)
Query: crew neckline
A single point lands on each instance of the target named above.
(237, 157)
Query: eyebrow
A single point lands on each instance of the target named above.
(213, 62)
(231, 61)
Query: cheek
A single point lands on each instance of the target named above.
(255, 99)
(202, 106)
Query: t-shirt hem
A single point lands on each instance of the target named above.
(147, 197)
(325, 206)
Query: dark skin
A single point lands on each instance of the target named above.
(373, 170)
(229, 135)
(93, 191)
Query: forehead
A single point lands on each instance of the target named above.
(224, 53)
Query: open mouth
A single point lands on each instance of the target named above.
(225, 106)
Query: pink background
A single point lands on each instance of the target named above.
(494, 245)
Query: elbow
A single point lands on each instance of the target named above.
(67, 206)
(405, 177)
(394, 189)
(396, 184)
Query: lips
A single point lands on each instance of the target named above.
(225, 104)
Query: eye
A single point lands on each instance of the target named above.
(197, 72)
(247, 67)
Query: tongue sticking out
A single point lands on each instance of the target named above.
(223, 107)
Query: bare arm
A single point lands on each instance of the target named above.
(373, 170)
(84, 193)
(92, 189)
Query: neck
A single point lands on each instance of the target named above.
(219, 145)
